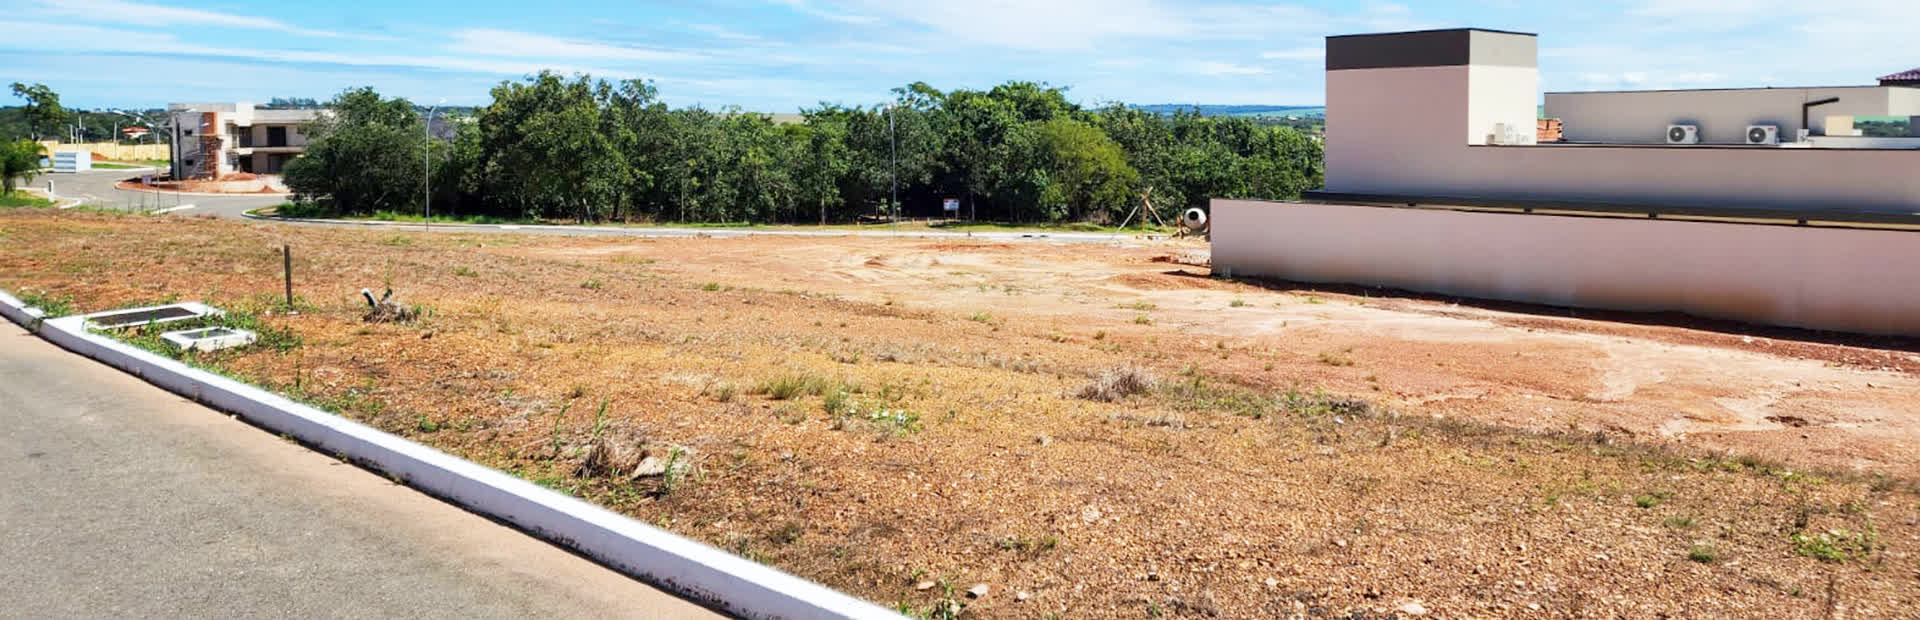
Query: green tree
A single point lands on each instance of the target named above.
(363, 156)
(980, 131)
(1089, 174)
(43, 109)
(552, 146)
(19, 163)
(547, 149)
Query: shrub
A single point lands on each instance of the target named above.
(1117, 383)
(793, 386)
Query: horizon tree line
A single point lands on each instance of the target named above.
(554, 147)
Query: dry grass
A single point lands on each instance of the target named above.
(1117, 383)
(878, 438)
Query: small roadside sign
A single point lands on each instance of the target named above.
(950, 205)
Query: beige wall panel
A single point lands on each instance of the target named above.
(1820, 278)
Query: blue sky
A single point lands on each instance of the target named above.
(781, 55)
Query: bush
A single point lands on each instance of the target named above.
(1117, 383)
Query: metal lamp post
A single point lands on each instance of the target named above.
(427, 222)
(893, 169)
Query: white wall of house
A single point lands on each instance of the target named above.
(243, 132)
(1422, 131)
(1501, 95)
(1374, 134)
(1819, 278)
(1773, 178)
(1642, 117)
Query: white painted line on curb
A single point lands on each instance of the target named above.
(172, 209)
(700, 573)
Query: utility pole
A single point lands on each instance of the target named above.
(893, 169)
(429, 158)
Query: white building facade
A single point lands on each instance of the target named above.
(1723, 115)
(214, 140)
(1434, 183)
(1433, 115)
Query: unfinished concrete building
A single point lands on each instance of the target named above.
(214, 140)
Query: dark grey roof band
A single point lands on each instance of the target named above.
(1432, 48)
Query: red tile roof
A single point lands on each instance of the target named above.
(1910, 75)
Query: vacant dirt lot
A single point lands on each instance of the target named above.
(903, 419)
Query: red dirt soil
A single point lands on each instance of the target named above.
(1305, 453)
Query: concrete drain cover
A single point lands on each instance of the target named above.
(209, 338)
(133, 317)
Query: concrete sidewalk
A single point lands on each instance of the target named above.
(119, 499)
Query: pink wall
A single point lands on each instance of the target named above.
(1821, 278)
(1399, 131)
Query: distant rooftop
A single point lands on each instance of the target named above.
(1910, 77)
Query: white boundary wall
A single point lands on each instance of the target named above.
(693, 570)
(1398, 131)
(1641, 117)
(1819, 278)
(1423, 131)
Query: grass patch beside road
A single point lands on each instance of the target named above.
(22, 199)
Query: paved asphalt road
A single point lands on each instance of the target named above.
(97, 188)
(118, 499)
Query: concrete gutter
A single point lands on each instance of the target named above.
(703, 574)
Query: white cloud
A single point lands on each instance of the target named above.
(133, 13)
(1304, 53)
(807, 8)
(1060, 25)
(722, 32)
(529, 46)
(92, 39)
(1224, 68)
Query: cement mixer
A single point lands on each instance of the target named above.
(1193, 222)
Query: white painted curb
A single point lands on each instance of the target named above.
(700, 573)
(17, 311)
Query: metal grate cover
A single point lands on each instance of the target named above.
(133, 317)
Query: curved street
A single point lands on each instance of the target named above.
(98, 188)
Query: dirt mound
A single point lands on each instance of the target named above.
(964, 247)
(1176, 280)
(1194, 259)
(241, 176)
(99, 157)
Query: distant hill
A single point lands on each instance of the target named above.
(1238, 110)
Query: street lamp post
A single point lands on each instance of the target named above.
(893, 169)
(428, 220)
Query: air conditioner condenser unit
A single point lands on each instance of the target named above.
(1683, 134)
(1763, 134)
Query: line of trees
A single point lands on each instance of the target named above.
(553, 147)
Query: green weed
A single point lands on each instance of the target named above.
(1833, 545)
(53, 305)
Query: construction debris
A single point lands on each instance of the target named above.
(386, 310)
